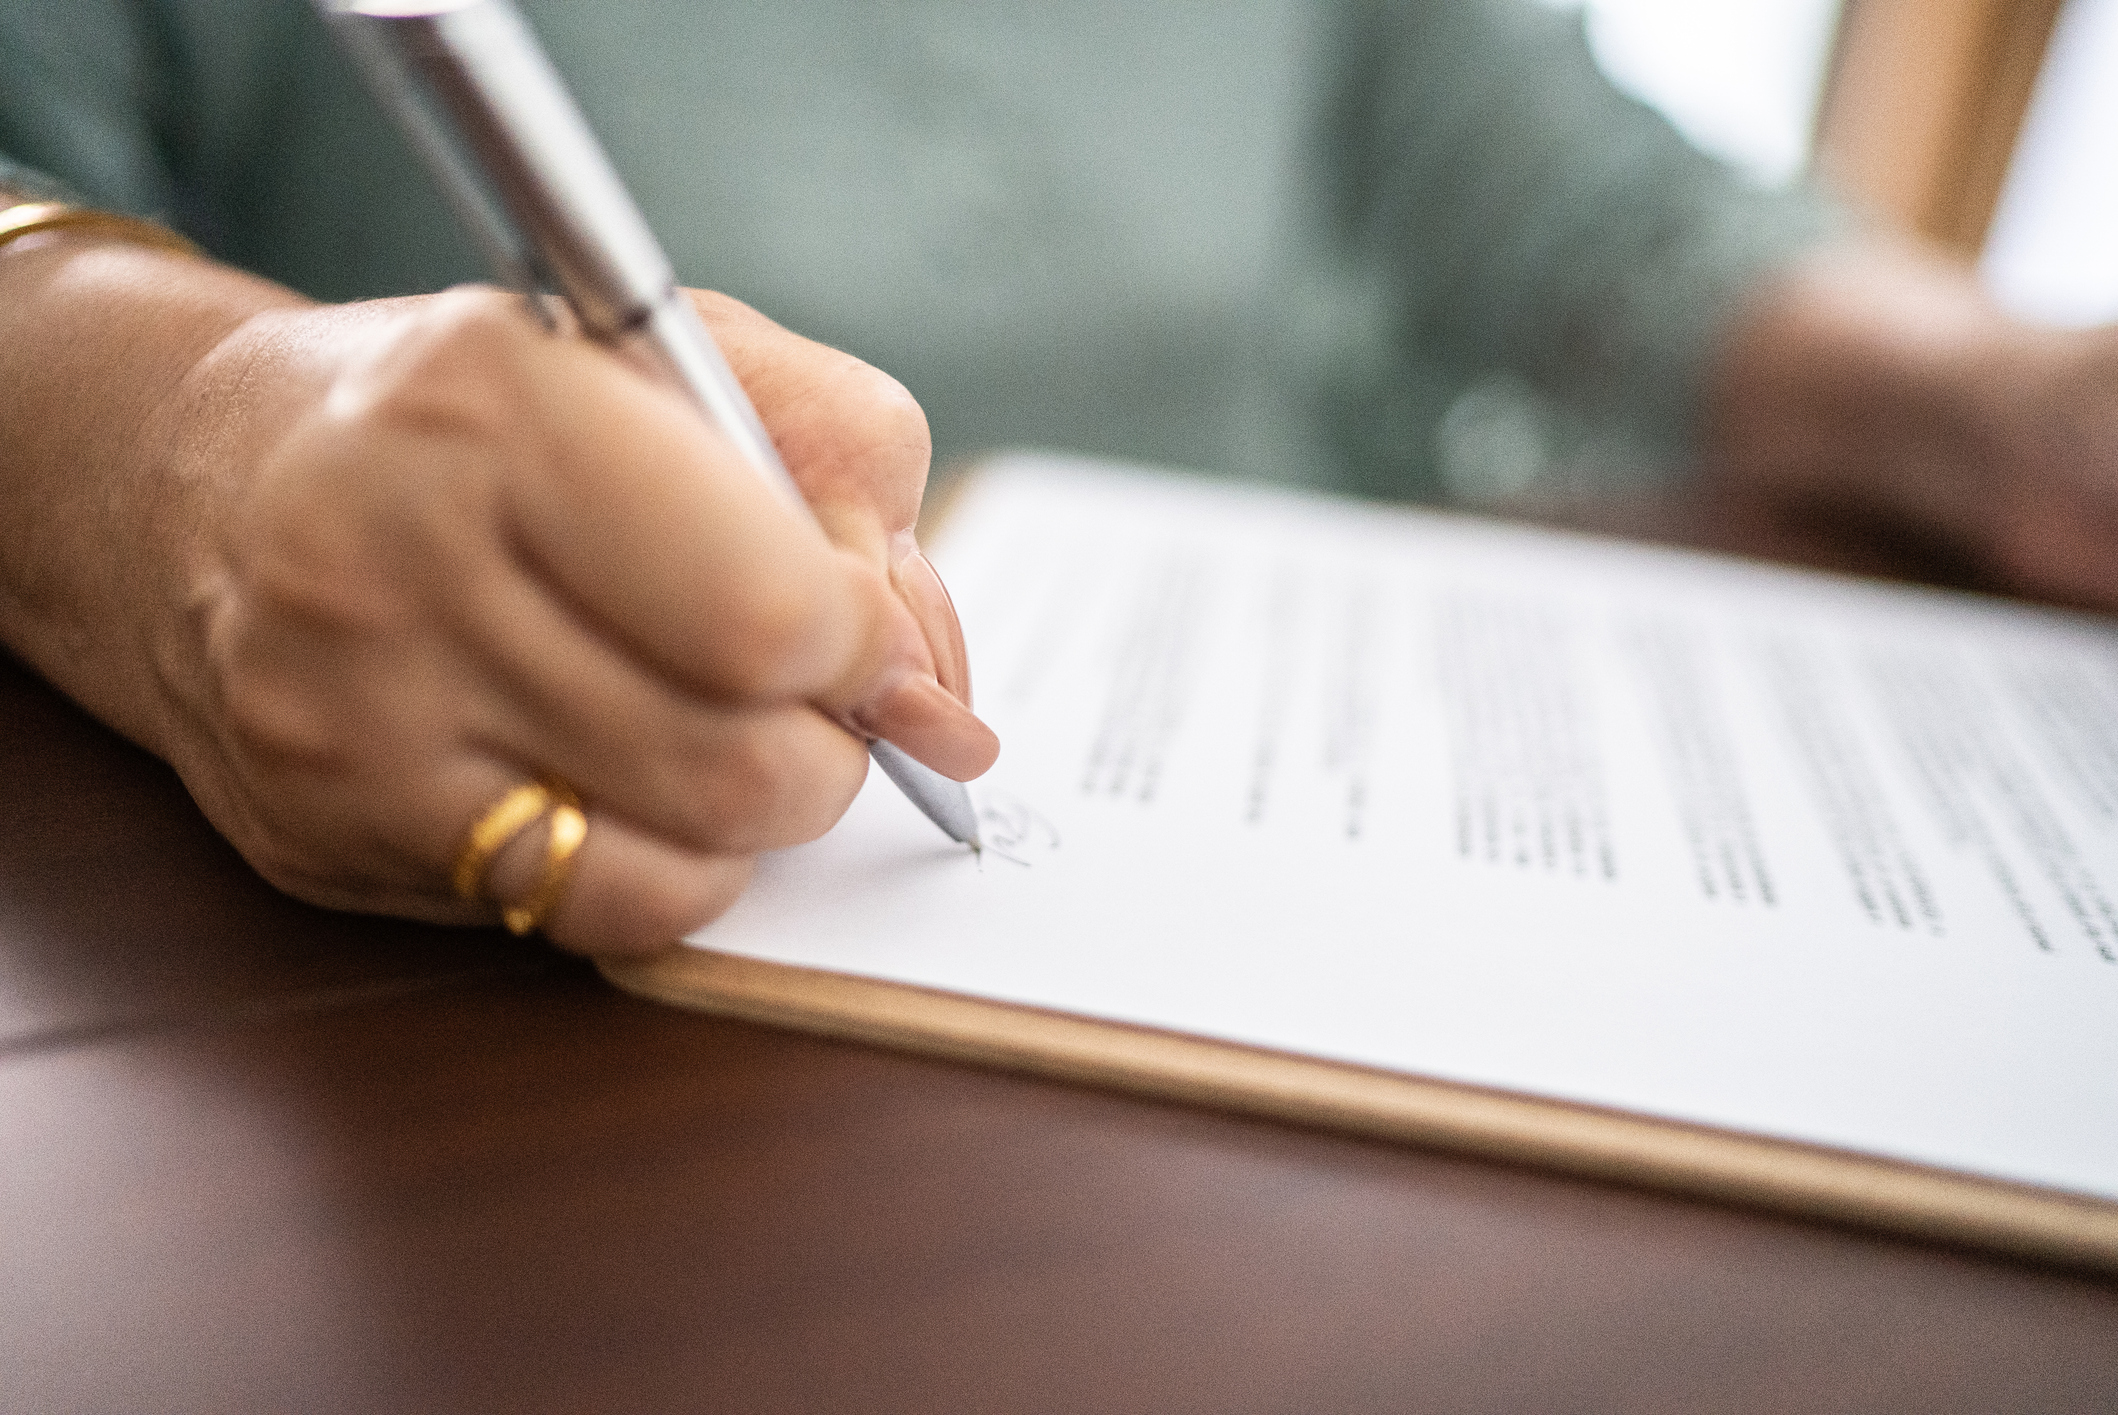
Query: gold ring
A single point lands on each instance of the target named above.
(569, 828)
(505, 819)
(516, 811)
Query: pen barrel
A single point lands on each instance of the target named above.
(507, 104)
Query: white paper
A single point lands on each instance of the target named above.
(1706, 840)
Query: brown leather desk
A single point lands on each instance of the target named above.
(258, 1157)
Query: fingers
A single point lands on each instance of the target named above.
(930, 723)
(692, 560)
(705, 774)
(672, 547)
(608, 488)
(858, 444)
(627, 893)
(636, 895)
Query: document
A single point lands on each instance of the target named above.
(1709, 841)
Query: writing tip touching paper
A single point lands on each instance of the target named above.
(1708, 841)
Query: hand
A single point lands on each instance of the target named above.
(2051, 530)
(1880, 388)
(457, 553)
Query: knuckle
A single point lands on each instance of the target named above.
(299, 862)
(392, 476)
(312, 576)
(307, 642)
(272, 725)
(474, 319)
(451, 369)
(271, 717)
(855, 433)
(720, 309)
(876, 438)
(894, 417)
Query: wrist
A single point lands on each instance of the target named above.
(97, 338)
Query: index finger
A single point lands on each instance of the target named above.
(668, 543)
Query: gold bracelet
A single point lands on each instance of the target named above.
(30, 217)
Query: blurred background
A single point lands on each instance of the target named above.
(1989, 127)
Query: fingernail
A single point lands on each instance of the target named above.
(920, 586)
(933, 725)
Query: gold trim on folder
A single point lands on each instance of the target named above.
(1811, 1180)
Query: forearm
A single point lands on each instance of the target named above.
(1543, 226)
(106, 485)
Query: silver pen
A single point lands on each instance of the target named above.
(472, 90)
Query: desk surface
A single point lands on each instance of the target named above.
(258, 1156)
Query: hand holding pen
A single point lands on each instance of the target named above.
(473, 92)
(457, 555)
(364, 574)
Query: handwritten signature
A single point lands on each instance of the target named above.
(1014, 831)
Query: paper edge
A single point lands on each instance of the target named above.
(1786, 1176)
